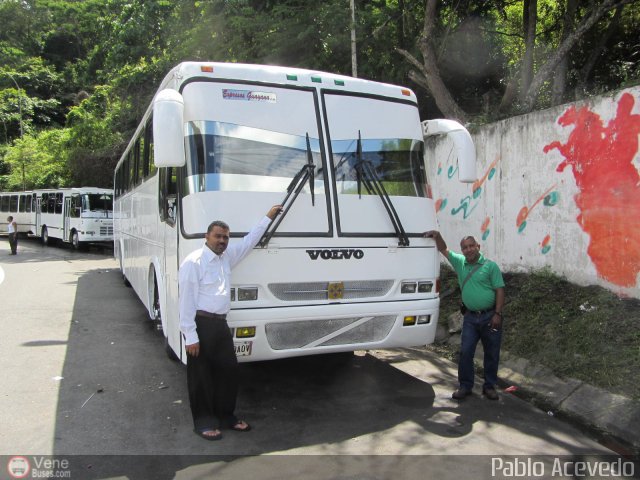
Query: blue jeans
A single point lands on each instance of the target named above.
(477, 327)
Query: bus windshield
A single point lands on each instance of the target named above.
(398, 164)
(97, 202)
(227, 157)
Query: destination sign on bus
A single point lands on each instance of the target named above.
(248, 95)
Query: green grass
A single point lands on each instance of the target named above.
(586, 333)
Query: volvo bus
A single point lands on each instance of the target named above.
(344, 267)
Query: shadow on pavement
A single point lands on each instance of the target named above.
(123, 408)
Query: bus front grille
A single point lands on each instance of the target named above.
(305, 291)
(324, 332)
(104, 230)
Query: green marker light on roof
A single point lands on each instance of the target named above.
(339, 82)
(316, 79)
(292, 77)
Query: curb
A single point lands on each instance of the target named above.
(609, 414)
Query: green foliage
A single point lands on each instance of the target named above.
(92, 66)
(37, 161)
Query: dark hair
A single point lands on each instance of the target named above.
(10, 218)
(469, 237)
(217, 223)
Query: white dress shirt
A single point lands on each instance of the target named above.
(205, 280)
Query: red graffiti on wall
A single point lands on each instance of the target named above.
(609, 200)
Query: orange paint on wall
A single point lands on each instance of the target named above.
(601, 159)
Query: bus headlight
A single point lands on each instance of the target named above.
(424, 319)
(408, 287)
(409, 320)
(245, 294)
(245, 332)
(424, 287)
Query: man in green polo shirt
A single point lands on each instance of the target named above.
(483, 296)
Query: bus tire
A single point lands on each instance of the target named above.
(45, 236)
(75, 240)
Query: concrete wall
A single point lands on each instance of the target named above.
(557, 188)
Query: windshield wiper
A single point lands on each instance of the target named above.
(295, 187)
(365, 173)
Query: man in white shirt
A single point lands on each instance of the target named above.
(12, 230)
(205, 300)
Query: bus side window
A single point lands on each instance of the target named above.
(168, 194)
(59, 203)
(150, 168)
(44, 203)
(5, 203)
(13, 205)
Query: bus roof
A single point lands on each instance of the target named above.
(284, 76)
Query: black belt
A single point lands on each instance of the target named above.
(481, 312)
(217, 316)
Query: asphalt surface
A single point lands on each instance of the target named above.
(86, 380)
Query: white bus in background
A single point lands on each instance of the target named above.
(74, 215)
(19, 205)
(344, 267)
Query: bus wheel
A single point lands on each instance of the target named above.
(45, 236)
(75, 240)
(157, 317)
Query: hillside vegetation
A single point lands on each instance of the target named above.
(586, 333)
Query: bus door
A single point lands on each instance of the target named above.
(169, 228)
(67, 220)
(38, 221)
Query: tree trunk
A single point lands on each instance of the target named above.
(563, 49)
(530, 21)
(560, 76)
(429, 73)
(585, 71)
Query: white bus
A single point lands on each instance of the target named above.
(19, 205)
(344, 267)
(74, 215)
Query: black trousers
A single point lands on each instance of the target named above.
(13, 242)
(212, 376)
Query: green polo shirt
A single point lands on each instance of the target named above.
(480, 290)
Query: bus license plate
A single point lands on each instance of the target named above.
(243, 348)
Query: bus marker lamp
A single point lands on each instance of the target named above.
(245, 332)
(206, 68)
(409, 320)
(408, 287)
(245, 294)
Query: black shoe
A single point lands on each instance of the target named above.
(460, 394)
(490, 393)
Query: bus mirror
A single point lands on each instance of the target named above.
(168, 129)
(462, 142)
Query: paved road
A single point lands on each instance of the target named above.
(85, 374)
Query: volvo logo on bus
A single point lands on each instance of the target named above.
(337, 254)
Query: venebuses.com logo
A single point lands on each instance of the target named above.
(38, 467)
(18, 467)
